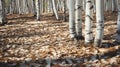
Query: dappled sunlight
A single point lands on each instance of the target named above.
(34, 41)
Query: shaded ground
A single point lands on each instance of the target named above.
(27, 42)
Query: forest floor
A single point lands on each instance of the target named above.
(27, 42)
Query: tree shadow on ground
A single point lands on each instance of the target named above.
(65, 62)
(30, 17)
(62, 62)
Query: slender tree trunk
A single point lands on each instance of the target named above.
(118, 23)
(19, 7)
(27, 5)
(64, 15)
(2, 13)
(72, 19)
(54, 9)
(34, 10)
(107, 5)
(94, 7)
(88, 22)
(84, 4)
(38, 9)
(114, 5)
(58, 5)
(78, 19)
(48, 6)
(100, 23)
(42, 5)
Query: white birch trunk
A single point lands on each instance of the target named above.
(34, 9)
(118, 23)
(84, 5)
(94, 6)
(114, 5)
(100, 23)
(64, 10)
(54, 9)
(88, 23)
(107, 5)
(2, 13)
(48, 6)
(38, 9)
(78, 19)
(72, 18)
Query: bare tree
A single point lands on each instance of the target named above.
(100, 23)
(55, 9)
(3, 19)
(72, 18)
(88, 22)
(64, 15)
(118, 23)
(38, 9)
(78, 18)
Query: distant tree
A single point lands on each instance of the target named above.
(64, 15)
(55, 9)
(38, 9)
(3, 19)
(114, 4)
(34, 10)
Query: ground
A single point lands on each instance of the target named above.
(25, 41)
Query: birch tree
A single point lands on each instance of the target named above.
(38, 9)
(84, 5)
(118, 23)
(2, 13)
(78, 19)
(55, 9)
(88, 22)
(107, 5)
(34, 10)
(100, 23)
(114, 2)
(72, 18)
(64, 11)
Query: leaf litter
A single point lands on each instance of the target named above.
(47, 43)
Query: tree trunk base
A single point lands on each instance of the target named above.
(3, 23)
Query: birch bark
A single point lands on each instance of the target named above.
(2, 13)
(72, 18)
(78, 19)
(100, 23)
(88, 23)
(38, 9)
(118, 23)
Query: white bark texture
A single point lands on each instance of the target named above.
(78, 19)
(64, 10)
(55, 9)
(38, 9)
(100, 22)
(88, 23)
(118, 23)
(2, 12)
(72, 18)
(107, 5)
(114, 5)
